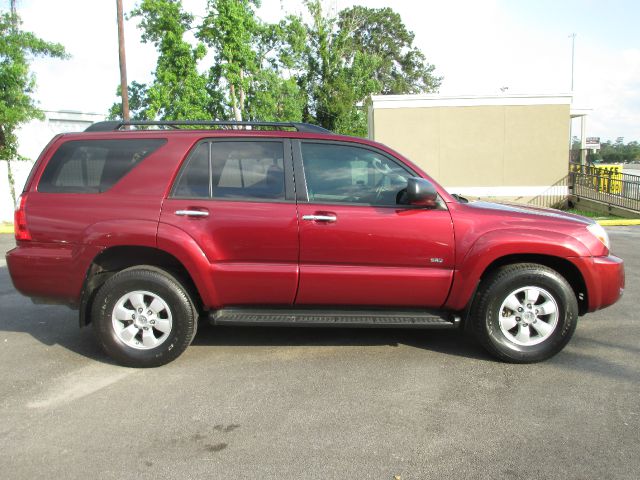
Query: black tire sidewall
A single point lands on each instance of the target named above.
(156, 282)
(557, 287)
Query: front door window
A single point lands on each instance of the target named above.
(352, 175)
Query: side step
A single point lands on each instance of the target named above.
(317, 317)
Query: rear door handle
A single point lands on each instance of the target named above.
(192, 213)
(320, 218)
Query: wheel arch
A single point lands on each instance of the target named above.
(563, 266)
(117, 258)
(516, 245)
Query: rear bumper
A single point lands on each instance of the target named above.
(604, 278)
(50, 273)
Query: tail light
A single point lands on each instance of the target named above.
(20, 219)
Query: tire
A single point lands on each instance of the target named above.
(143, 317)
(524, 313)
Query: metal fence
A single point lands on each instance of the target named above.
(556, 196)
(605, 185)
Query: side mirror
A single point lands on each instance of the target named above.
(421, 192)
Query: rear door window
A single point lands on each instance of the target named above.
(234, 170)
(94, 166)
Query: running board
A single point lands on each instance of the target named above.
(334, 318)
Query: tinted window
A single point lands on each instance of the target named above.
(344, 174)
(93, 166)
(238, 170)
(194, 179)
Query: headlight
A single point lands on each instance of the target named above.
(600, 233)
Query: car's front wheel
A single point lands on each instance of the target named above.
(524, 313)
(143, 317)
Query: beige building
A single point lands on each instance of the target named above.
(506, 146)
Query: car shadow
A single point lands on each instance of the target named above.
(450, 342)
(58, 325)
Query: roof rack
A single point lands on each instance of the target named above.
(114, 125)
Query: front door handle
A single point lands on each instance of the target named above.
(320, 218)
(192, 213)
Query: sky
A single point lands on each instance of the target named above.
(478, 46)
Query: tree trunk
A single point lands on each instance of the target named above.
(12, 182)
(242, 97)
(3, 145)
(234, 101)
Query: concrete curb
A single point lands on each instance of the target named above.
(618, 222)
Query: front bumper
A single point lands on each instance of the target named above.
(604, 279)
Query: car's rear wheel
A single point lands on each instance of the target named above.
(143, 317)
(524, 313)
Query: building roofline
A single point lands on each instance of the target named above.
(435, 100)
(73, 116)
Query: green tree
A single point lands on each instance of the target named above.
(617, 152)
(229, 29)
(247, 76)
(323, 71)
(138, 102)
(401, 67)
(343, 61)
(17, 49)
(178, 90)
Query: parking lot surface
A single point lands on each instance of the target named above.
(276, 403)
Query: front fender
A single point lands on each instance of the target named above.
(497, 244)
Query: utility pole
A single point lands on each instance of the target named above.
(123, 63)
(573, 57)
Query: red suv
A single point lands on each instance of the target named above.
(145, 230)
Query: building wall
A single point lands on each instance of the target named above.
(489, 150)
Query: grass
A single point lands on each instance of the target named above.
(590, 214)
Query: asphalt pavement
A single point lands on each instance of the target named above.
(276, 403)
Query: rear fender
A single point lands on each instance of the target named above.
(102, 236)
(114, 233)
(183, 247)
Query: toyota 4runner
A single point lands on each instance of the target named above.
(147, 227)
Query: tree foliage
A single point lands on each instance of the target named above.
(617, 152)
(231, 29)
(342, 61)
(400, 67)
(17, 106)
(610, 152)
(17, 82)
(321, 71)
(178, 90)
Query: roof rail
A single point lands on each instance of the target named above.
(113, 125)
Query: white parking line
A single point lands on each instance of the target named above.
(81, 383)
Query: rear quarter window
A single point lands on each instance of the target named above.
(94, 166)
